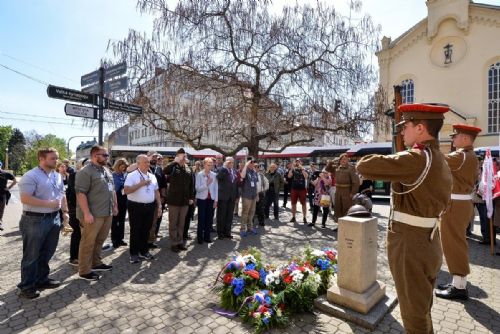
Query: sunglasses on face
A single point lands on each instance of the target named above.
(103, 154)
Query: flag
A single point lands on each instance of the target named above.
(488, 183)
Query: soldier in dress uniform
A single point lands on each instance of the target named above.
(421, 188)
(463, 164)
(346, 183)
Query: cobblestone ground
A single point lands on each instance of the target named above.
(172, 295)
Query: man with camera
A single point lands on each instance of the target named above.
(298, 176)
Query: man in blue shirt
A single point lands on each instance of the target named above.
(42, 195)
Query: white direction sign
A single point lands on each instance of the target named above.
(80, 111)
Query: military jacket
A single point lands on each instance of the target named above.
(404, 169)
(463, 164)
(346, 175)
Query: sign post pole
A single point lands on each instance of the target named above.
(101, 104)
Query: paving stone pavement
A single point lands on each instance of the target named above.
(172, 294)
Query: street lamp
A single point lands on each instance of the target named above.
(6, 158)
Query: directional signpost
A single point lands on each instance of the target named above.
(122, 106)
(71, 95)
(96, 84)
(80, 111)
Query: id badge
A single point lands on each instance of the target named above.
(252, 184)
(110, 187)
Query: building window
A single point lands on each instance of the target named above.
(494, 98)
(408, 91)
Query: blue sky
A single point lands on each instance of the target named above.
(57, 42)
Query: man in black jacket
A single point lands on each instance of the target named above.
(179, 197)
(228, 187)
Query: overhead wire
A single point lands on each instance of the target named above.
(35, 66)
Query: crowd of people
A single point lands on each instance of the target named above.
(95, 198)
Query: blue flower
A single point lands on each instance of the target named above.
(263, 275)
(250, 266)
(238, 286)
(265, 320)
(336, 268)
(323, 264)
(268, 300)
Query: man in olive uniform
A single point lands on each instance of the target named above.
(421, 188)
(347, 184)
(463, 164)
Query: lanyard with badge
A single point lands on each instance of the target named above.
(144, 177)
(104, 176)
(251, 177)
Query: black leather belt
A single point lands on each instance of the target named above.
(40, 214)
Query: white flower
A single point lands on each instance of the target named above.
(297, 275)
(278, 312)
(273, 277)
(249, 259)
(317, 252)
(267, 314)
(316, 277)
(256, 315)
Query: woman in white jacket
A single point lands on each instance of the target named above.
(206, 200)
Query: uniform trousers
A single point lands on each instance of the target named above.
(176, 221)
(140, 216)
(454, 223)
(414, 261)
(343, 201)
(247, 213)
(93, 237)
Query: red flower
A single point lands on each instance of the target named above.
(302, 268)
(262, 309)
(252, 273)
(288, 279)
(228, 278)
(308, 265)
(282, 306)
(330, 255)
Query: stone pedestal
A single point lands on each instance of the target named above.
(357, 286)
(358, 296)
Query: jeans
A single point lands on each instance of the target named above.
(315, 214)
(205, 218)
(40, 237)
(272, 198)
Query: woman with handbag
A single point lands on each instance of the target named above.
(321, 197)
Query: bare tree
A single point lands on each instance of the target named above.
(264, 80)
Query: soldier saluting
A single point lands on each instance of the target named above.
(463, 164)
(421, 188)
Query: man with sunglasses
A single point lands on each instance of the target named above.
(96, 206)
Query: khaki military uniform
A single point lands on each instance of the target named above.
(346, 185)
(421, 191)
(463, 164)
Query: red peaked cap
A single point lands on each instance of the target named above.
(417, 111)
(464, 128)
